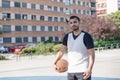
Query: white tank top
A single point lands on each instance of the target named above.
(78, 56)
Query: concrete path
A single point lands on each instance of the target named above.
(107, 64)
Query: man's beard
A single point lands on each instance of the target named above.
(76, 29)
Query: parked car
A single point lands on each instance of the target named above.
(11, 48)
(30, 45)
(3, 49)
(18, 49)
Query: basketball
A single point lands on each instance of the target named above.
(62, 64)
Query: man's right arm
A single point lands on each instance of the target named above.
(62, 50)
(60, 53)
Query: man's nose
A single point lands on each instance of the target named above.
(73, 24)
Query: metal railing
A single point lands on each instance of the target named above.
(108, 46)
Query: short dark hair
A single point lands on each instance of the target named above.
(72, 17)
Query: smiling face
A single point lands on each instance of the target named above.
(74, 24)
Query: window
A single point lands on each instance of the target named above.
(61, 0)
(67, 11)
(41, 7)
(55, 18)
(25, 39)
(33, 6)
(17, 16)
(24, 5)
(6, 28)
(50, 28)
(17, 4)
(83, 3)
(17, 28)
(104, 5)
(56, 39)
(61, 9)
(93, 12)
(55, 0)
(25, 28)
(5, 4)
(87, 12)
(55, 8)
(79, 3)
(33, 17)
(79, 11)
(24, 16)
(74, 2)
(62, 29)
(87, 4)
(42, 28)
(84, 12)
(56, 28)
(42, 38)
(6, 16)
(41, 17)
(34, 39)
(62, 19)
(49, 8)
(6, 40)
(51, 38)
(67, 2)
(33, 28)
(92, 4)
(49, 18)
(18, 40)
(74, 10)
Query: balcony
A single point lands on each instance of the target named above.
(93, 1)
(93, 8)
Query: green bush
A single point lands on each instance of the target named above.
(56, 47)
(2, 57)
(48, 47)
(29, 50)
(48, 41)
(40, 49)
(44, 48)
(102, 43)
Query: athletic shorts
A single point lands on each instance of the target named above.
(77, 76)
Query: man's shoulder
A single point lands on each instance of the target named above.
(68, 33)
(86, 33)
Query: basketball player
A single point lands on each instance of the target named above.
(80, 47)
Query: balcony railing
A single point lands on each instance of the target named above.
(93, 8)
(93, 0)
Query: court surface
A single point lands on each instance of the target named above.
(51, 78)
(106, 67)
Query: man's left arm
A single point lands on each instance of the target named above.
(91, 52)
(91, 59)
(89, 43)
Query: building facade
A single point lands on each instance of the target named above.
(32, 21)
(105, 7)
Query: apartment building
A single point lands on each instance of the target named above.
(32, 21)
(105, 7)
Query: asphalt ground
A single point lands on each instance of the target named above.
(106, 67)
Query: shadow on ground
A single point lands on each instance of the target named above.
(51, 78)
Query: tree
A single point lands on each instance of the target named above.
(116, 18)
(99, 27)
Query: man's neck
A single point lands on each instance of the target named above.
(77, 32)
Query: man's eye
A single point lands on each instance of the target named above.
(75, 21)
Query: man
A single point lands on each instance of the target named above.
(80, 52)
